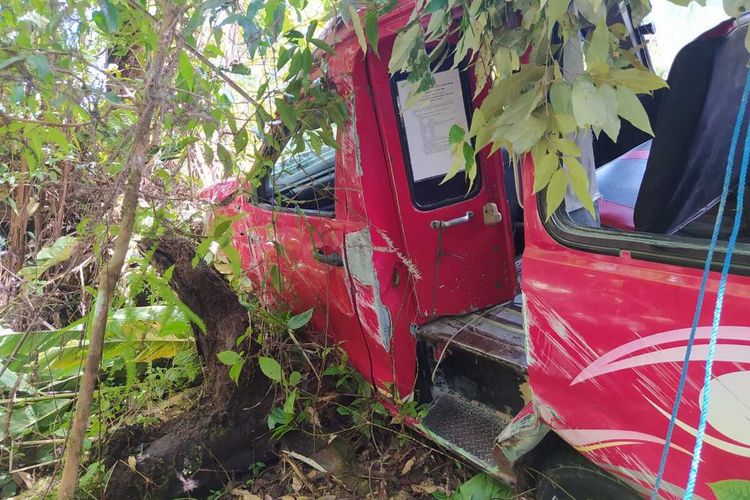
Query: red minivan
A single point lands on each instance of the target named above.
(548, 353)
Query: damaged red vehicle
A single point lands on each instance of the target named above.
(548, 353)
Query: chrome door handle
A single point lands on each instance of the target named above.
(439, 224)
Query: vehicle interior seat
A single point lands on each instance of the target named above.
(674, 182)
(619, 182)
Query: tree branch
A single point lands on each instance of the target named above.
(181, 39)
(111, 273)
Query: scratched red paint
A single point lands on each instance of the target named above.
(603, 394)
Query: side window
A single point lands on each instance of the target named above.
(660, 196)
(424, 121)
(303, 176)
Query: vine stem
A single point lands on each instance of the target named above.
(111, 272)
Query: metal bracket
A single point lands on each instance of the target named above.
(491, 214)
(439, 224)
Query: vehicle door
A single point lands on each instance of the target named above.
(456, 234)
(292, 239)
(609, 313)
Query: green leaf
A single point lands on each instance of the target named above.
(455, 134)
(240, 140)
(235, 370)
(611, 123)
(229, 358)
(4, 64)
(289, 402)
(596, 107)
(436, 6)
(638, 80)
(108, 18)
(483, 486)
(322, 45)
(299, 320)
(630, 108)
(402, 47)
(371, 30)
(357, 25)
(225, 157)
(555, 191)
(503, 91)
(276, 279)
(9, 379)
(731, 489)
(186, 71)
(525, 134)
(520, 108)
(295, 377)
(560, 97)
(543, 171)
(270, 368)
(39, 65)
(287, 114)
(579, 181)
(599, 46)
(555, 10)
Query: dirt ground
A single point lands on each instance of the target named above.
(390, 464)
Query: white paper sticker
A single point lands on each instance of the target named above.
(428, 120)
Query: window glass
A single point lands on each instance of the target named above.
(675, 26)
(668, 188)
(303, 176)
(671, 184)
(424, 122)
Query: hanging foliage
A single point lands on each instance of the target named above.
(533, 104)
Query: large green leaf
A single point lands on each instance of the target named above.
(630, 108)
(483, 487)
(26, 418)
(638, 80)
(543, 171)
(579, 181)
(299, 320)
(357, 25)
(139, 333)
(402, 47)
(731, 489)
(270, 368)
(556, 191)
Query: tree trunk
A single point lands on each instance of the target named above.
(226, 432)
(111, 272)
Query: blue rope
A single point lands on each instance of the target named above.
(702, 290)
(695, 463)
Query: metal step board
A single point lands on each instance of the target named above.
(496, 333)
(467, 427)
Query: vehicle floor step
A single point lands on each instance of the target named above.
(468, 425)
(496, 332)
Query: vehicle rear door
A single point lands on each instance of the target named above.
(456, 235)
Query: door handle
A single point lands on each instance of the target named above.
(439, 224)
(332, 259)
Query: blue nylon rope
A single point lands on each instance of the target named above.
(695, 463)
(702, 292)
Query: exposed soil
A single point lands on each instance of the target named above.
(201, 449)
(222, 448)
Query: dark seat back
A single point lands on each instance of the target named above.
(693, 131)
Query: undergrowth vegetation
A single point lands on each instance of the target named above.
(103, 152)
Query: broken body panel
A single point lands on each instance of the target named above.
(597, 355)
